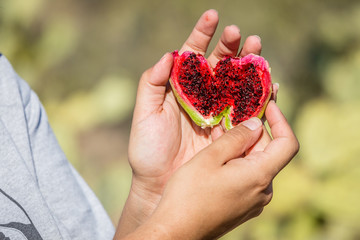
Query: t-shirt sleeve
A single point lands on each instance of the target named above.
(73, 207)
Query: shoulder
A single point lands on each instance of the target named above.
(13, 90)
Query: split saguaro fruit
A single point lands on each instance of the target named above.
(236, 89)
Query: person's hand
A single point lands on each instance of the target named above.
(163, 137)
(218, 189)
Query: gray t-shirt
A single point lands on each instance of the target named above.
(41, 195)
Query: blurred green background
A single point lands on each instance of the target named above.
(84, 59)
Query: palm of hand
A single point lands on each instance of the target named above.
(174, 140)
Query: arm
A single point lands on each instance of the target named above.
(217, 190)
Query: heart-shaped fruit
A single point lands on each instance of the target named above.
(237, 88)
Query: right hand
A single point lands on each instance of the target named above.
(218, 190)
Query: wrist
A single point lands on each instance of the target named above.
(143, 199)
(139, 206)
(147, 186)
(150, 230)
(170, 224)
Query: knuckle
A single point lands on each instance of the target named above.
(264, 181)
(211, 152)
(257, 212)
(267, 198)
(195, 46)
(238, 134)
(295, 145)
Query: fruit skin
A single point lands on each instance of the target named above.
(211, 76)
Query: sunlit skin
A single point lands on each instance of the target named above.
(163, 137)
(217, 190)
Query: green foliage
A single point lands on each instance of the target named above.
(84, 59)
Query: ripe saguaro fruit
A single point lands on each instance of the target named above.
(236, 89)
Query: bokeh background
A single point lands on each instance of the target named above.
(84, 59)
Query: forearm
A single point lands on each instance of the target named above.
(138, 208)
(162, 225)
(149, 231)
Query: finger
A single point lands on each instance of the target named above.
(228, 45)
(252, 45)
(275, 91)
(235, 142)
(200, 37)
(260, 145)
(152, 86)
(216, 132)
(284, 146)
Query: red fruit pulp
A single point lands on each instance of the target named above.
(241, 84)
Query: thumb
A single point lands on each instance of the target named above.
(235, 142)
(152, 86)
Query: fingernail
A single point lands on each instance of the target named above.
(258, 37)
(253, 123)
(236, 28)
(277, 84)
(213, 10)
